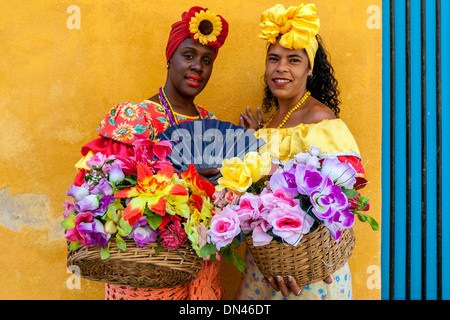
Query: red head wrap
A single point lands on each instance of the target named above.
(181, 30)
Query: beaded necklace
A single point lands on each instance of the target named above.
(288, 115)
(169, 110)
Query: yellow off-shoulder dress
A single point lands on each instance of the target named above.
(335, 140)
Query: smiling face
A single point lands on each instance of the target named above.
(287, 72)
(190, 67)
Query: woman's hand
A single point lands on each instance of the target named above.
(292, 287)
(248, 120)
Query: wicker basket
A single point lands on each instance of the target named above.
(137, 267)
(316, 256)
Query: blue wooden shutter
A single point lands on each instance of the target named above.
(416, 150)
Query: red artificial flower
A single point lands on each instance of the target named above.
(173, 236)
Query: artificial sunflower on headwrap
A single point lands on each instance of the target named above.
(202, 26)
(296, 28)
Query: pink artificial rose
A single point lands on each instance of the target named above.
(74, 234)
(98, 160)
(259, 234)
(248, 210)
(290, 223)
(232, 197)
(69, 208)
(219, 198)
(271, 199)
(224, 227)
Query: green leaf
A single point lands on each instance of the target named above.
(154, 220)
(104, 252)
(257, 186)
(158, 249)
(305, 202)
(366, 218)
(227, 254)
(110, 227)
(124, 227)
(69, 222)
(237, 241)
(373, 223)
(74, 245)
(361, 217)
(362, 202)
(208, 249)
(350, 193)
(121, 244)
(238, 262)
(112, 213)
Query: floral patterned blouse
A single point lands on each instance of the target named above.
(147, 118)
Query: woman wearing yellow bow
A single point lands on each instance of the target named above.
(301, 93)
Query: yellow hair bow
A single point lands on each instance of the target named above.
(298, 27)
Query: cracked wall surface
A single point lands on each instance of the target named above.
(57, 83)
(28, 209)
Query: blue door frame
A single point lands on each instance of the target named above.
(415, 256)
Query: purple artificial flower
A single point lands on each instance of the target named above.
(341, 173)
(143, 233)
(285, 180)
(103, 187)
(308, 179)
(105, 201)
(115, 173)
(88, 203)
(344, 219)
(327, 200)
(77, 192)
(95, 233)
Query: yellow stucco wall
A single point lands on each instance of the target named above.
(57, 83)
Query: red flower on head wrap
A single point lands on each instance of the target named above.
(210, 33)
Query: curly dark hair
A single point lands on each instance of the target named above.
(322, 85)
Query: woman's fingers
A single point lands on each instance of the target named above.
(259, 116)
(272, 283)
(282, 285)
(328, 280)
(250, 115)
(295, 288)
(246, 122)
(278, 284)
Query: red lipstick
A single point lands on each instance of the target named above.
(193, 80)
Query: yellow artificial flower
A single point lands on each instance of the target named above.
(195, 228)
(239, 174)
(178, 205)
(206, 26)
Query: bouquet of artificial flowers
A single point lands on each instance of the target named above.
(296, 220)
(130, 213)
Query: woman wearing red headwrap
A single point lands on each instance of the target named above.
(191, 50)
